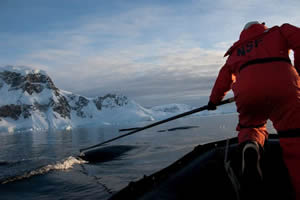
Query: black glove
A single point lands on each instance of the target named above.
(211, 106)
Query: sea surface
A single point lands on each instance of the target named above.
(45, 165)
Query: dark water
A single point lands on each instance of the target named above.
(45, 165)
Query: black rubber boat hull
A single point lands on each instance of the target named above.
(201, 175)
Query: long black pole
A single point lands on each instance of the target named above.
(160, 122)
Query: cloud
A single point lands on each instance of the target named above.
(112, 55)
(127, 59)
(143, 50)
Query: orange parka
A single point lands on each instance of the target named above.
(255, 43)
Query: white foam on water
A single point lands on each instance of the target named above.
(63, 165)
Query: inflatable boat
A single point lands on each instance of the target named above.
(211, 171)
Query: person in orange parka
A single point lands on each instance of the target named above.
(266, 86)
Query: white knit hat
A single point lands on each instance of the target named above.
(250, 24)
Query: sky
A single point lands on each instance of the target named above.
(153, 51)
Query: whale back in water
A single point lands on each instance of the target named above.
(104, 154)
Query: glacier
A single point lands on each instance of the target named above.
(30, 101)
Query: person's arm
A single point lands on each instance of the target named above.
(222, 85)
(292, 35)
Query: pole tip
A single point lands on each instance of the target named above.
(81, 154)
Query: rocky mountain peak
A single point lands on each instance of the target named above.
(29, 94)
(31, 81)
(110, 101)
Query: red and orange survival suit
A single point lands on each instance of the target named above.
(266, 86)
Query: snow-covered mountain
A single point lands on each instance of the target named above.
(30, 100)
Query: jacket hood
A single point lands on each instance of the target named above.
(249, 33)
(252, 31)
